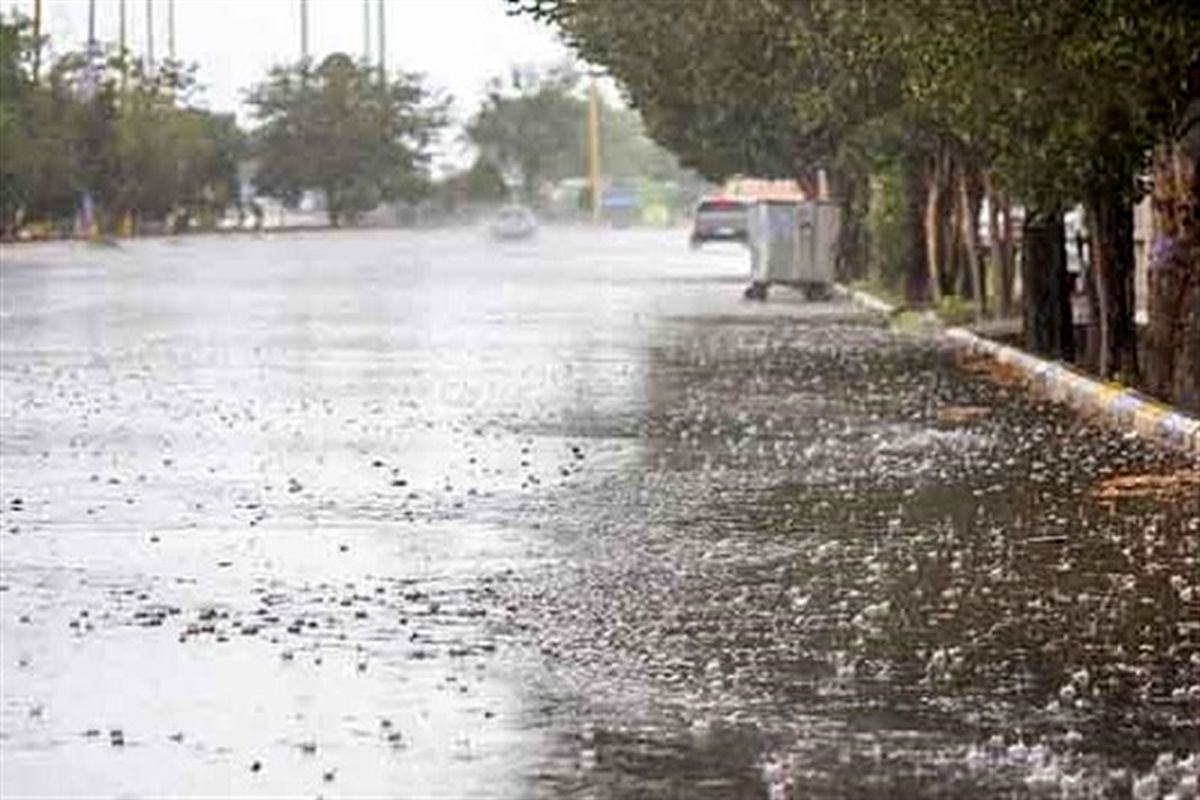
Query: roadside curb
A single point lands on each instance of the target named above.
(865, 300)
(1120, 406)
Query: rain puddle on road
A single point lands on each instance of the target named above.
(335, 661)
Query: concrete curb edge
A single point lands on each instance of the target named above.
(865, 300)
(1119, 405)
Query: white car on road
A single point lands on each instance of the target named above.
(513, 222)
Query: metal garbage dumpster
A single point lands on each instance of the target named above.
(793, 242)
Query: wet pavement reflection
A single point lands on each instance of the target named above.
(419, 514)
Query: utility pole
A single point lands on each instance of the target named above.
(93, 53)
(594, 148)
(150, 36)
(37, 38)
(304, 31)
(382, 46)
(171, 29)
(366, 31)
(126, 225)
(121, 47)
(88, 214)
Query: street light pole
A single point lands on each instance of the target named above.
(93, 53)
(150, 36)
(594, 148)
(382, 45)
(366, 5)
(37, 38)
(304, 31)
(121, 48)
(171, 29)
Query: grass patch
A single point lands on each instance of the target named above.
(954, 310)
(876, 289)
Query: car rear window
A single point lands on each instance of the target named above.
(722, 205)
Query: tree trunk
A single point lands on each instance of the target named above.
(934, 250)
(1111, 215)
(916, 281)
(1000, 234)
(1008, 275)
(1045, 294)
(853, 192)
(969, 222)
(1091, 344)
(1173, 351)
(954, 274)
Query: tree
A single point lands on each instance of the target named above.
(481, 184)
(532, 128)
(735, 88)
(1173, 346)
(338, 130)
(711, 78)
(39, 162)
(133, 139)
(1047, 102)
(1065, 99)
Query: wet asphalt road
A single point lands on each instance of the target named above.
(419, 514)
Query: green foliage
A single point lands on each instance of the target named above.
(1054, 93)
(954, 310)
(627, 152)
(876, 289)
(337, 129)
(38, 163)
(479, 185)
(135, 140)
(533, 128)
(484, 183)
(713, 79)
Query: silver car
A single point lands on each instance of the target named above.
(513, 222)
(720, 219)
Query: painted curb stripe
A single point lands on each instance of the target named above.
(1120, 404)
(1178, 429)
(1146, 419)
(1123, 407)
(1105, 394)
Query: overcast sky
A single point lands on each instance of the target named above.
(457, 44)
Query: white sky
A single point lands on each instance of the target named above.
(457, 44)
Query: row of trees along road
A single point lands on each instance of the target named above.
(130, 137)
(138, 143)
(917, 111)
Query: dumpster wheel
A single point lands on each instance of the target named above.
(756, 291)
